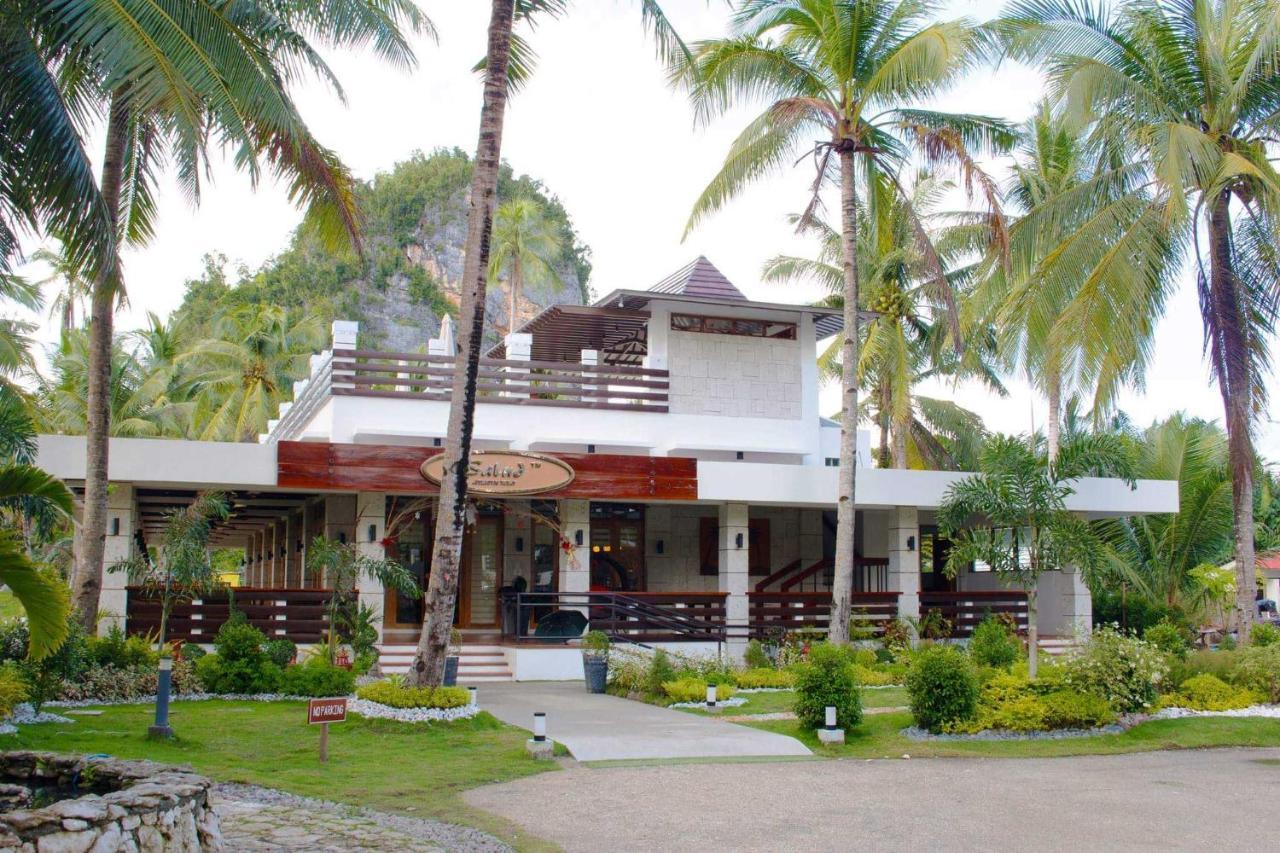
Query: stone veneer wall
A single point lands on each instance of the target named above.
(148, 808)
(733, 375)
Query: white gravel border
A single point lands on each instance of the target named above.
(733, 702)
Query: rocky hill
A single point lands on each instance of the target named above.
(415, 231)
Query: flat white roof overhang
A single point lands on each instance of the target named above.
(213, 464)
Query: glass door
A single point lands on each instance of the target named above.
(482, 573)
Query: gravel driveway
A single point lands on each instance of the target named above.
(1210, 799)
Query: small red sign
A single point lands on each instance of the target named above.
(326, 711)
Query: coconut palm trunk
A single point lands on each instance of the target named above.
(1229, 345)
(517, 282)
(451, 515)
(846, 513)
(1053, 429)
(87, 579)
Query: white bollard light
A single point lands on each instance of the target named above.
(711, 695)
(831, 716)
(539, 726)
(829, 734)
(540, 746)
(474, 700)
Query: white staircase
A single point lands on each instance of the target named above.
(476, 663)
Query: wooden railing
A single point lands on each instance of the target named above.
(966, 609)
(638, 617)
(771, 612)
(370, 373)
(296, 614)
(871, 574)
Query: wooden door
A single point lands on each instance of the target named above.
(481, 576)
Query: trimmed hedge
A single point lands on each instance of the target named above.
(695, 690)
(827, 679)
(763, 677)
(396, 695)
(942, 687)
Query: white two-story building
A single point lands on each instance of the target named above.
(656, 461)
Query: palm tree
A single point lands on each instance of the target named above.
(505, 64)
(1154, 554)
(174, 78)
(241, 372)
(905, 340)
(74, 286)
(1012, 514)
(837, 76)
(1187, 94)
(525, 244)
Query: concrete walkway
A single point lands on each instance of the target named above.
(1188, 800)
(605, 728)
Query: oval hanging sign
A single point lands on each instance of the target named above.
(506, 472)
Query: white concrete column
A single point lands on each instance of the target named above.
(122, 515)
(339, 521)
(345, 333)
(1064, 606)
(519, 348)
(277, 556)
(904, 559)
(591, 358)
(575, 566)
(735, 552)
(810, 538)
(290, 559)
(517, 549)
(810, 383)
(370, 530)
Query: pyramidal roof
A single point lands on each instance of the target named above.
(699, 278)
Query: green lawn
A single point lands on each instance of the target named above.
(9, 606)
(782, 700)
(418, 770)
(879, 737)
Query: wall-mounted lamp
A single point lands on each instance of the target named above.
(115, 525)
(435, 442)
(741, 456)
(299, 546)
(577, 536)
(519, 544)
(342, 537)
(591, 448)
(660, 546)
(373, 533)
(737, 540)
(911, 543)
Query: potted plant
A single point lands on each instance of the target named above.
(595, 660)
(451, 662)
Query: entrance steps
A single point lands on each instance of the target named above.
(1057, 646)
(476, 663)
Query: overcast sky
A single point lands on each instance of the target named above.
(600, 127)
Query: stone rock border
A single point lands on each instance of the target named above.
(916, 733)
(147, 807)
(1272, 711)
(363, 707)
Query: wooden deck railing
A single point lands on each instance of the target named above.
(639, 617)
(296, 614)
(371, 373)
(966, 609)
(770, 612)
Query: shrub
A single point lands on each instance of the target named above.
(393, 693)
(1209, 693)
(44, 678)
(280, 651)
(116, 650)
(694, 690)
(942, 687)
(219, 675)
(317, 677)
(193, 652)
(1169, 638)
(627, 672)
(660, 672)
(1264, 634)
(1125, 671)
(109, 684)
(865, 657)
(868, 677)
(994, 644)
(13, 689)
(935, 626)
(1070, 709)
(1258, 668)
(765, 677)
(897, 636)
(13, 640)
(237, 640)
(827, 679)
(1211, 661)
(595, 644)
(756, 657)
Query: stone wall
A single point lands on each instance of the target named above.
(140, 806)
(733, 375)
